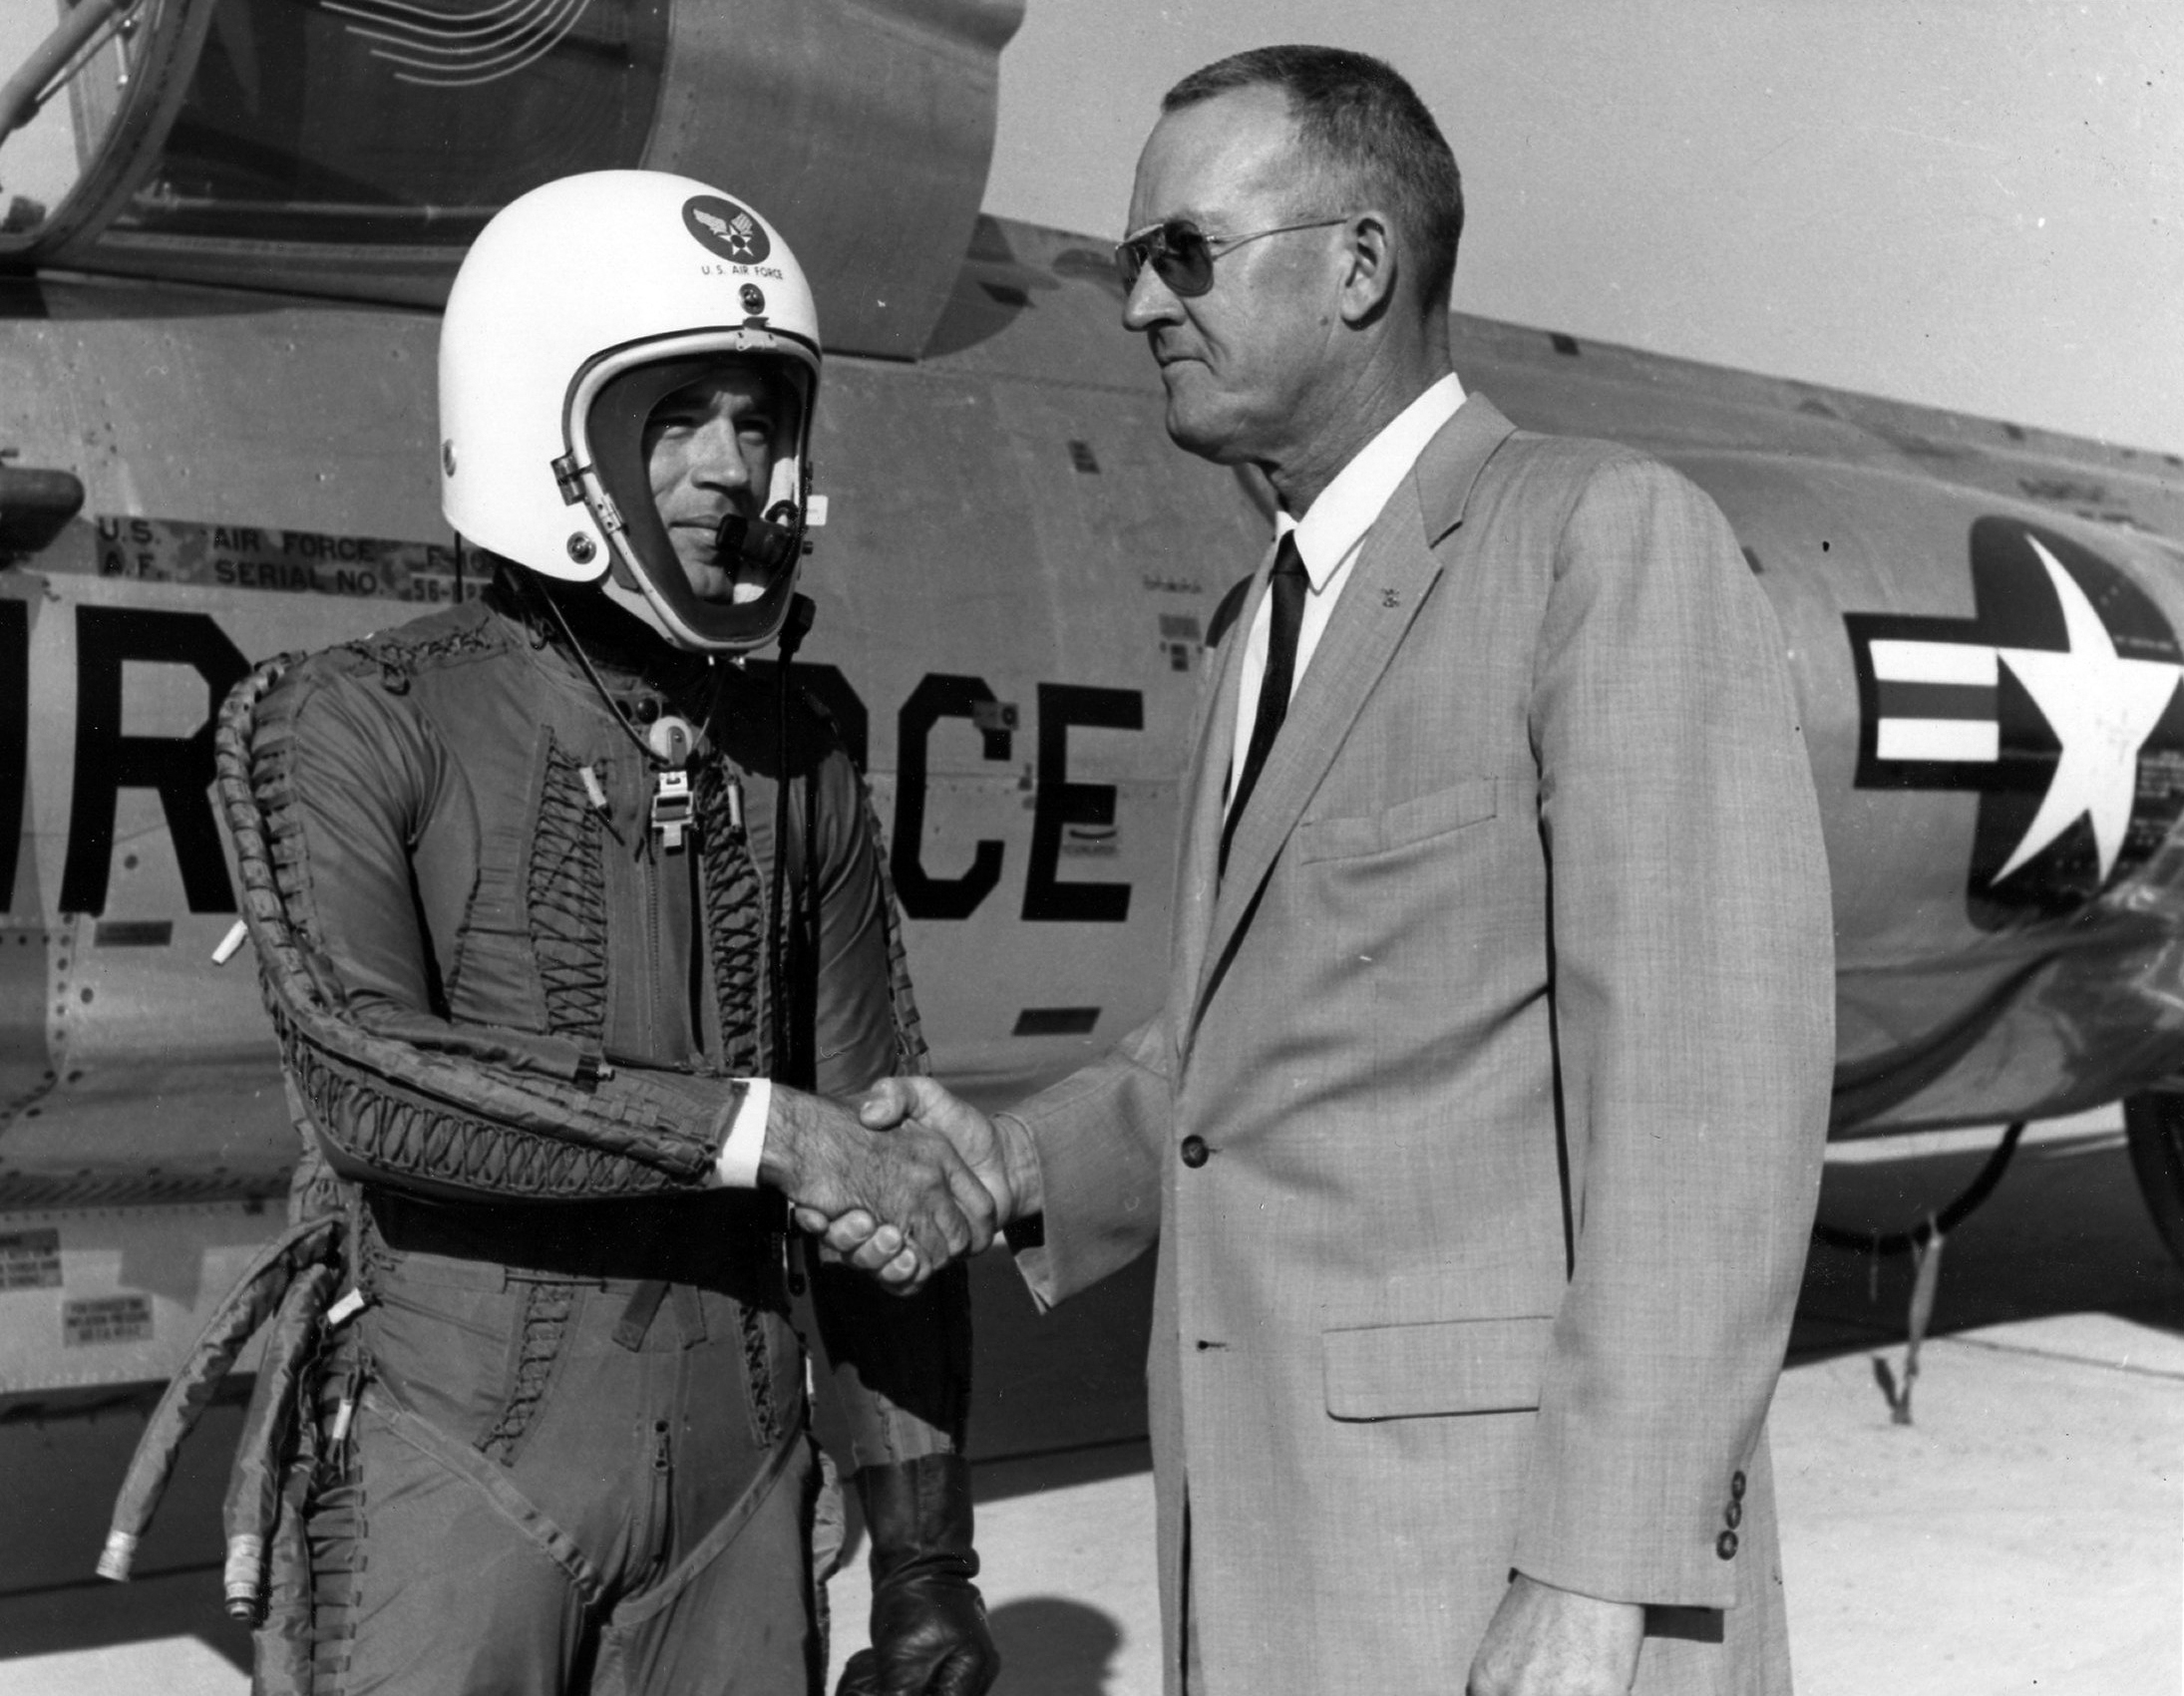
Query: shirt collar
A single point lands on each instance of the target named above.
(1346, 508)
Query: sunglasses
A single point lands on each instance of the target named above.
(1182, 254)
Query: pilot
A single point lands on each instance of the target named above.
(562, 908)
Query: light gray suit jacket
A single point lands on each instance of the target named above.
(1481, 1130)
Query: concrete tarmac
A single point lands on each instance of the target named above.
(2022, 1536)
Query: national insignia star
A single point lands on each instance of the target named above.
(2102, 707)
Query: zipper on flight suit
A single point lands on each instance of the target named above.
(650, 1542)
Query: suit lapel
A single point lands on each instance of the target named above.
(1386, 587)
(1379, 602)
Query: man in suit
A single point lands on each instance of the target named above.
(1481, 1128)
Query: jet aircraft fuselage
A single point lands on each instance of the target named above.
(230, 350)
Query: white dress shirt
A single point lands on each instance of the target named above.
(1328, 539)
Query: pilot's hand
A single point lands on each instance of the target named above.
(829, 1165)
(1543, 1641)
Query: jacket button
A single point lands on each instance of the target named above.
(1725, 1545)
(1736, 1486)
(1735, 1515)
(1195, 1152)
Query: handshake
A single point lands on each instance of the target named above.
(902, 1181)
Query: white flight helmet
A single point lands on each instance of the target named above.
(578, 308)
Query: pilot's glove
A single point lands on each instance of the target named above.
(929, 1625)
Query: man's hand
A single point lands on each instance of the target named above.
(1548, 1643)
(1007, 1171)
(829, 1165)
(997, 1151)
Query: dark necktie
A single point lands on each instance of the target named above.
(1288, 586)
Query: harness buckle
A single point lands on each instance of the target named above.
(673, 810)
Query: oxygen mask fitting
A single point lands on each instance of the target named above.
(771, 545)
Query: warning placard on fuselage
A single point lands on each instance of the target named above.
(30, 1259)
(105, 1319)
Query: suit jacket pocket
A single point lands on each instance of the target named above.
(1415, 821)
(1451, 1366)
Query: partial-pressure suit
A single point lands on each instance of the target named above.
(536, 886)
(562, 1442)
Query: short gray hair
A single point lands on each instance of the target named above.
(1359, 118)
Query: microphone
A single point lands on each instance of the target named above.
(772, 544)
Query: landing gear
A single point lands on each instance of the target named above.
(2155, 1126)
